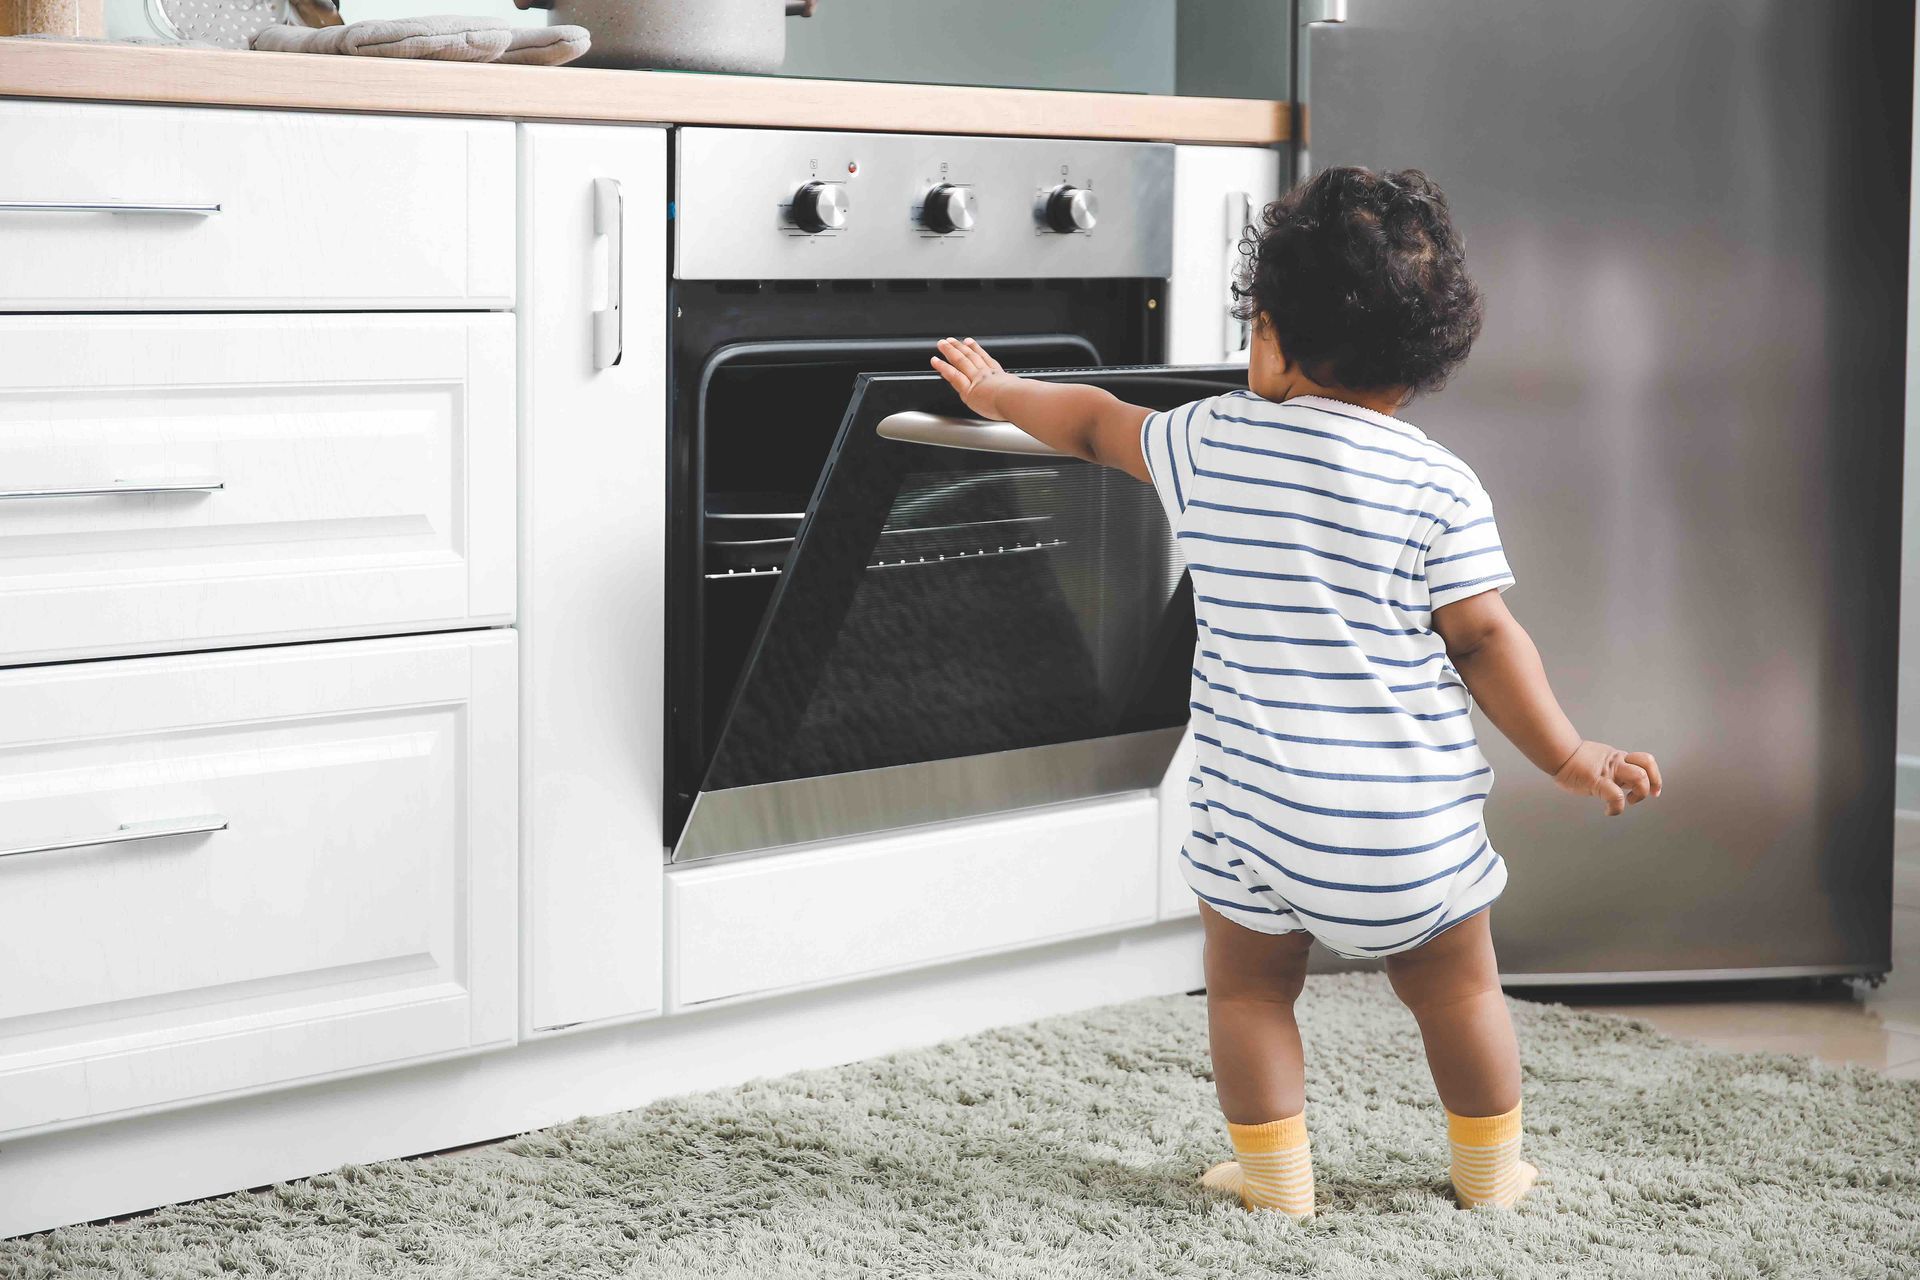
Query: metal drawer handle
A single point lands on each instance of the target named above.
(914, 427)
(127, 834)
(110, 206)
(193, 484)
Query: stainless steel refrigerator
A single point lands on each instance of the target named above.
(1689, 218)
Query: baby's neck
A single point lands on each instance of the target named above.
(1388, 401)
(1360, 399)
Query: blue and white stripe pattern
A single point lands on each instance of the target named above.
(1338, 783)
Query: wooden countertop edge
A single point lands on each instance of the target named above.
(220, 77)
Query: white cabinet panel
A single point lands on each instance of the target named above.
(250, 210)
(339, 892)
(1177, 899)
(317, 475)
(898, 901)
(1216, 192)
(593, 454)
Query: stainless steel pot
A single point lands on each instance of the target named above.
(682, 35)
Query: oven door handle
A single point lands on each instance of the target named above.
(946, 432)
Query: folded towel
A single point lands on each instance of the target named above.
(448, 38)
(546, 46)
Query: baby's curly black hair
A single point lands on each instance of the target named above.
(1364, 280)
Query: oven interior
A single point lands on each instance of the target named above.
(763, 379)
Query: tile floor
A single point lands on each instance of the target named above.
(1878, 1028)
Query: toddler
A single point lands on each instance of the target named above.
(1347, 574)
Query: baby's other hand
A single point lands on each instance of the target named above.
(973, 373)
(1620, 778)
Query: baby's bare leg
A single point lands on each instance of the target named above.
(1452, 986)
(1252, 981)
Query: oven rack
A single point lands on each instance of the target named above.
(907, 562)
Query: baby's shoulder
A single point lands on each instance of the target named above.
(1350, 425)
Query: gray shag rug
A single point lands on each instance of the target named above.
(1069, 1148)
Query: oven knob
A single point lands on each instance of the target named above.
(948, 208)
(820, 206)
(1072, 209)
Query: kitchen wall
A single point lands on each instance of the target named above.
(1235, 48)
(1125, 45)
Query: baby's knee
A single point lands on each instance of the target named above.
(1427, 985)
(1458, 965)
(1273, 995)
(1269, 983)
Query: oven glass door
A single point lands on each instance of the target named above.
(966, 623)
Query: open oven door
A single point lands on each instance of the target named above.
(967, 623)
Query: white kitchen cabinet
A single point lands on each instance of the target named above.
(139, 208)
(225, 871)
(906, 899)
(593, 207)
(183, 482)
(1217, 191)
(1177, 899)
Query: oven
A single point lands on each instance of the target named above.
(881, 613)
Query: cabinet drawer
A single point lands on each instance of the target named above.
(183, 482)
(903, 900)
(338, 890)
(243, 210)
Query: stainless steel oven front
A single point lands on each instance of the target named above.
(880, 616)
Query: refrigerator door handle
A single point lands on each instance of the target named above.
(1307, 14)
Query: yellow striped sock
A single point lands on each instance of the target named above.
(1487, 1168)
(1275, 1166)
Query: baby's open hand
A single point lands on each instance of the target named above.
(1620, 778)
(973, 373)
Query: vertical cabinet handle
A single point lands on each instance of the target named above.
(608, 220)
(1239, 217)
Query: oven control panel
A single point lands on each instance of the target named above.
(789, 204)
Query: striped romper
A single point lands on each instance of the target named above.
(1338, 784)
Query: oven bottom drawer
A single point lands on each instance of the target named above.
(900, 901)
(232, 870)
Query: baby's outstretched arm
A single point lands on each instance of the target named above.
(1085, 422)
(1496, 657)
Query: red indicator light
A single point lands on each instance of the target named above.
(853, 166)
